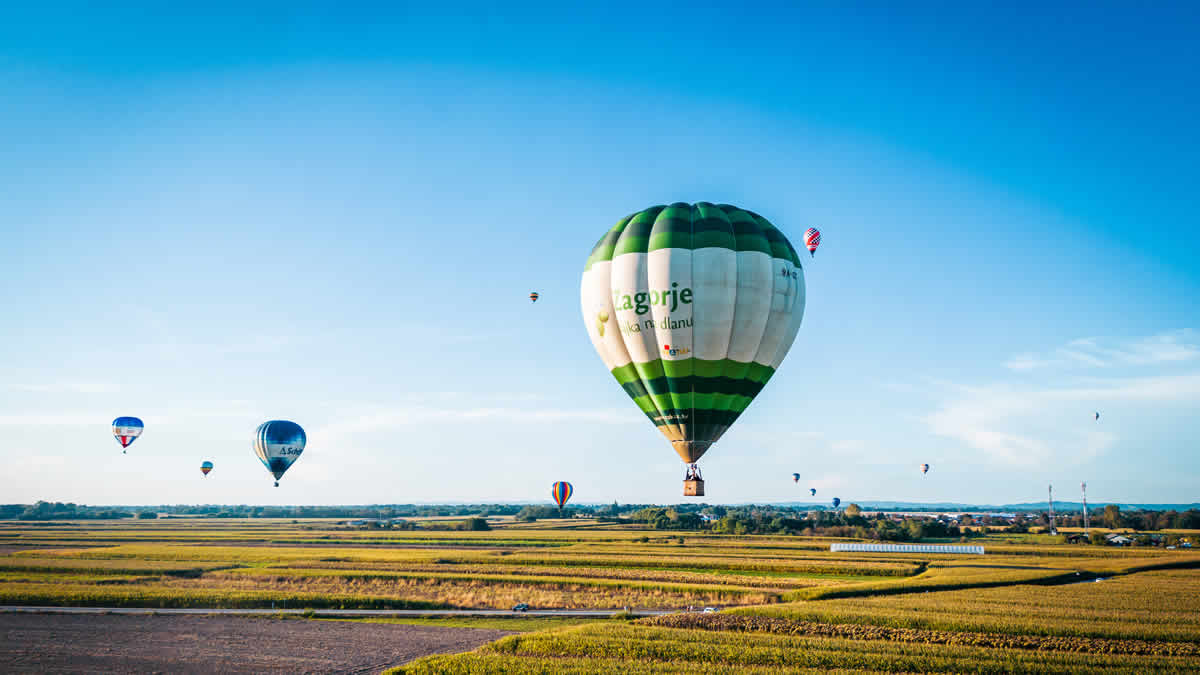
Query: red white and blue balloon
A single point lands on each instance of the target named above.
(812, 239)
(126, 430)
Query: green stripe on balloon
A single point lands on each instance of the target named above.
(603, 250)
(636, 235)
(748, 232)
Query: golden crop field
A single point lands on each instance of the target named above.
(787, 603)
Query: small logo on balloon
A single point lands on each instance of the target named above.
(676, 351)
(601, 319)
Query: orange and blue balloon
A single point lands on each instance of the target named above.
(561, 492)
(205, 468)
(533, 296)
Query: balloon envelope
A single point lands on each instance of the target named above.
(206, 467)
(278, 443)
(812, 491)
(836, 502)
(795, 478)
(561, 491)
(924, 468)
(533, 297)
(127, 429)
(692, 308)
(812, 239)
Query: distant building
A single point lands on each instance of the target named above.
(1118, 540)
(905, 548)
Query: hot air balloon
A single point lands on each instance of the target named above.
(205, 467)
(1098, 417)
(561, 491)
(795, 478)
(278, 443)
(812, 239)
(533, 296)
(812, 491)
(924, 468)
(692, 308)
(836, 502)
(126, 430)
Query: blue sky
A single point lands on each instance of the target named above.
(335, 216)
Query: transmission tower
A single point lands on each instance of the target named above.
(1053, 528)
(1083, 486)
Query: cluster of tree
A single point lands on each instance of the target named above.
(384, 511)
(533, 512)
(472, 524)
(753, 520)
(1112, 517)
(60, 511)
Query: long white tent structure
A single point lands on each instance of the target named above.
(904, 548)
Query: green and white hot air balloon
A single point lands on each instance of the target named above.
(692, 308)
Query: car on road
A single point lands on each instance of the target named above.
(522, 607)
(710, 610)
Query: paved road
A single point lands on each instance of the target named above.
(16, 609)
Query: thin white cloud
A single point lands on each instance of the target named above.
(1165, 348)
(52, 420)
(422, 415)
(68, 388)
(1025, 426)
(1173, 347)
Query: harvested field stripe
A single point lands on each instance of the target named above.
(774, 626)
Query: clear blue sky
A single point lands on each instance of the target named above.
(334, 216)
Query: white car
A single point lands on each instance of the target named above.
(710, 610)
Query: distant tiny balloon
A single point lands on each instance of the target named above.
(795, 478)
(533, 297)
(1098, 416)
(836, 502)
(812, 491)
(812, 239)
(205, 468)
(924, 468)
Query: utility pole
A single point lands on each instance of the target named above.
(1083, 486)
(1053, 528)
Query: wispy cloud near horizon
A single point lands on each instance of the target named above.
(1027, 425)
(1094, 352)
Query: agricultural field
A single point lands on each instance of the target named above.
(787, 603)
(208, 563)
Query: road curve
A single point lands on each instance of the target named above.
(19, 609)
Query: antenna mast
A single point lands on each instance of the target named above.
(1050, 491)
(1083, 486)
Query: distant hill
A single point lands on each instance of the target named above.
(1005, 508)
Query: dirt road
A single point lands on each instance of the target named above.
(60, 643)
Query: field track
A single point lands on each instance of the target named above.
(46, 643)
(344, 613)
